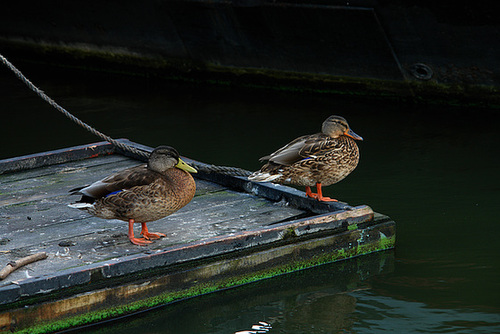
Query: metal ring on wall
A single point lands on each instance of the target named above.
(421, 71)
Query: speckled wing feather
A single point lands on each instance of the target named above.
(301, 148)
(319, 145)
(288, 154)
(126, 179)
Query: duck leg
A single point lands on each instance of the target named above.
(319, 194)
(309, 193)
(150, 235)
(134, 240)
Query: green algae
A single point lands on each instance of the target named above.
(352, 227)
(198, 289)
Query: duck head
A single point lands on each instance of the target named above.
(164, 158)
(336, 126)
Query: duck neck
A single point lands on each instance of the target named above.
(181, 179)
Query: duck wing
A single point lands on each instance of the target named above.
(126, 179)
(299, 149)
(318, 146)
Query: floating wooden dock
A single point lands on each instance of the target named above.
(233, 232)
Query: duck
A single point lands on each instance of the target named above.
(320, 159)
(141, 194)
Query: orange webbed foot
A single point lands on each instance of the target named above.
(132, 238)
(150, 235)
(140, 241)
(326, 199)
(319, 195)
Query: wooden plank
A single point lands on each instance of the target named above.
(205, 216)
(55, 157)
(54, 211)
(66, 167)
(91, 240)
(86, 252)
(56, 183)
(220, 273)
(289, 233)
(58, 180)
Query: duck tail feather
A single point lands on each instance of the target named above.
(263, 177)
(81, 206)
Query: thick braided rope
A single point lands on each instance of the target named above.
(47, 99)
(233, 171)
(202, 167)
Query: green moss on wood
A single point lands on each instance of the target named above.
(352, 227)
(289, 233)
(207, 287)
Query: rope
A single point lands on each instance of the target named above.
(87, 127)
(232, 171)
(235, 171)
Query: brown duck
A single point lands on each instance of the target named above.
(320, 159)
(141, 194)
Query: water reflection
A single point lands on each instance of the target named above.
(335, 298)
(287, 303)
(261, 328)
(375, 314)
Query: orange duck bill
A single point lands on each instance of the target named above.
(353, 135)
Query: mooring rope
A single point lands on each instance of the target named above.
(235, 171)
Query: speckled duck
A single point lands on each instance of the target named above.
(321, 159)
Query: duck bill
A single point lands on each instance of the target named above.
(353, 135)
(184, 166)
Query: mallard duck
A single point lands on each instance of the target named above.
(141, 194)
(320, 159)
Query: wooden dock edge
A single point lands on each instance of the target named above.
(111, 293)
(54, 157)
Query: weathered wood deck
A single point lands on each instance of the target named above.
(233, 231)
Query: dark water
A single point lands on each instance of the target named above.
(433, 169)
